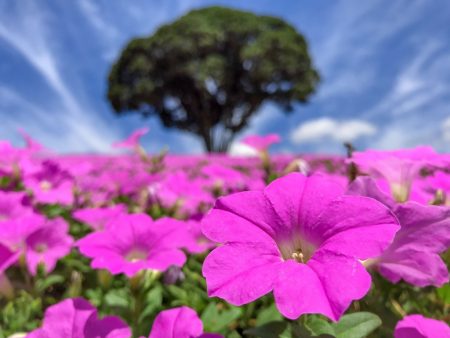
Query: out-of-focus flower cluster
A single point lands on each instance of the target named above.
(172, 246)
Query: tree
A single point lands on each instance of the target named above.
(210, 70)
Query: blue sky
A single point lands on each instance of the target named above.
(385, 67)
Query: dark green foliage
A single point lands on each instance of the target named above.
(210, 70)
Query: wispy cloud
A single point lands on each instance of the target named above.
(327, 129)
(26, 29)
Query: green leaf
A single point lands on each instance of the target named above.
(153, 302)
(444, 293)
(269, 330)
(117, 298)
(356, 325)
(42, 285)
(215, 320)
(269, 314)
(318, 326)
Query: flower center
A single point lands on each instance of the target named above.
(45, 185)
(298, 249)
(298, 256)
(41, 247)
(135, 255)
(400, 192)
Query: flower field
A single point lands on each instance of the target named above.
(160, 245)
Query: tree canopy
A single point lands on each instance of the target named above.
(210, 70)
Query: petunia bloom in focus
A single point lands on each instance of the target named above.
(418, 326)
(135, 242)
(300, 238)
(181, 322)
(76, 317)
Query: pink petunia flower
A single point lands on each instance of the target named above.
(196, 242)
(99, 218)
(180, 322)
(76, 317)
(300, 238)
(40, 240)
(261, 143)
(8, 257)
(50, 184)
(418, 326)
(133, 140)
(414, 253)
(12, 205)
(398, 167)
(32, 146)
(135, 242)
(47, 245)
(179, 190)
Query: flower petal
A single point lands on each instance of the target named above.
(241, 273)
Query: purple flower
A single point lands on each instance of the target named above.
(180, 322)
(414, 253)
(32, 146)
(99, 218)
(261, 143)
(300, 237)
(179, 190)
(41, 241)
(50, 184)
(133, 140)
(12, 206)
(135, 242)
(398, 167)
(418, 326)
(196, 242)
(47, 245)
(7, 257)
(76, 317)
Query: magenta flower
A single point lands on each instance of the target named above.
(398, 167)
(179, 190)
(99, 218)
(133, 140)
(41, 241)
(12, 206)
(300, 237)
(180, 322)
(135, 242)
(76, 317)
(418, 326)
(47, 245)
(261, 143)
(8, 257)
(414, 253)
(50, 184)
(31, 145)
(196, 242)
(223, 177)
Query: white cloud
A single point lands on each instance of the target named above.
(446, 129)
(240, 149)
(324, 128)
